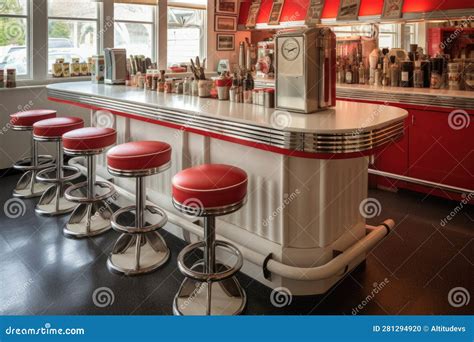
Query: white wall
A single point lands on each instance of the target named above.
(15, 145)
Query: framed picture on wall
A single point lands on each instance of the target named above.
(348, 10)
(275, 13)
(392, 9)
(228, 7)
(225, 24)
(225, 42)
(253, 14)
(315, 9)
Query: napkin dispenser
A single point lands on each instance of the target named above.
(115, 66)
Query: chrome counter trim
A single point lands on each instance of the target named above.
(321, 143)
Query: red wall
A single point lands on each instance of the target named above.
(295, 10)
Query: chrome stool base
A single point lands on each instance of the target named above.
(140, 249)
(53, 202)
(138, 254)
(210, 287)
(27, 186)
(222, 298)
(89, 219)
(93, 214)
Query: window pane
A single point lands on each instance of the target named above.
(136, 38)
(386, 41)
(85, 9)
(133, 12)
(13, 49)
(183, 44)
(185, 34)
(18, 7)
(71, 39)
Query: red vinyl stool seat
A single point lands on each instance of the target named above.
(53, 202)
(140, 249)
(210, 185)
(27, 186)
(208, 191)
(28, 118)
(54, 128)
(139, 156)
(89, 139)
(93, 214)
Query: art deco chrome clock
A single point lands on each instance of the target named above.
(290, 49)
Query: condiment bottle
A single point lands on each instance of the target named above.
(436, 72)
(186, 86)
(386, 71)
(418, 75)
(161, 83)
(378, 76)
(406, 80)
(361, 73)
(248, 87)
(11, 78)
(155, 80)
(394, 73)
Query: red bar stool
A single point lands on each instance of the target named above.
(208, 191)
(92, 216)
(140, 249)
(52, 202)
(27, 186)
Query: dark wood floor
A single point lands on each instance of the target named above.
(43, 273)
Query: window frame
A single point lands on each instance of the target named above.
(154, 23)
(99, 36)
(28, 39)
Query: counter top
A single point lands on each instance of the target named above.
(455, 99)
(349, 127)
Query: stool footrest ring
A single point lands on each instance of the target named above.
(209, 277)
(139, 230)
(26, 164)
(42, 176)
(70, 196)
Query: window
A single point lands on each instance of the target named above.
(72, 33)
(186, 34)
(134, 29)
(388, 36)
(14, 42)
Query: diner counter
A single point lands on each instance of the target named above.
(348, 128)
(307, 174)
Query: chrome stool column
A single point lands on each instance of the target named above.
(210, 287)
(92, 216)
(52, 202)
(28, 186)
(140, 249)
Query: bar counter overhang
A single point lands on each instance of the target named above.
(308, 174)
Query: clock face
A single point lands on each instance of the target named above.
(290, 49)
